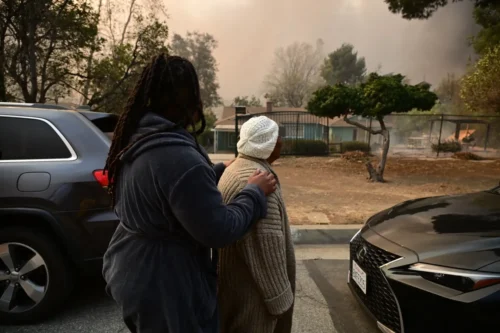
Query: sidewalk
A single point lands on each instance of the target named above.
(324, 234)
(311, 234)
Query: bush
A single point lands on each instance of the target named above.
(304, 147)
(355, 146)
(447, 147)
(335, 148)
(467, 156)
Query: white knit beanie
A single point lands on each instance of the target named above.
(258, 137)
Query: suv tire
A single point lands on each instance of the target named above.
(29, 248)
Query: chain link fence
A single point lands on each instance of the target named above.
(410, 135)
(443, 135)
(302, 133)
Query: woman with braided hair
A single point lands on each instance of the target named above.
(159, 266)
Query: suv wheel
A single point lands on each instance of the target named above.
(34, 276)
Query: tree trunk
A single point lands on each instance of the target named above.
(377, 175)
(90, 61)
(31, 54)
(3, 88)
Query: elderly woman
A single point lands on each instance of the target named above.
(257, 273)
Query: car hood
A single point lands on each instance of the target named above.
(460, 231)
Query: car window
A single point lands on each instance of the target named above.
(30, 139)
(106, 123)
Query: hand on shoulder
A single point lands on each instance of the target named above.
(265, 180)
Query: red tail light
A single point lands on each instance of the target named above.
(101, 177)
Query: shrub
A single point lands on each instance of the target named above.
(467, 156)
(355, 146)
(335, 148)
(447, 147)
(304, 147)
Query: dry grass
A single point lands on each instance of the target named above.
(467, 156)
(339, 189)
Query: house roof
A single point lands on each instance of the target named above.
(229, 111)
(278, 114)
(284, 115)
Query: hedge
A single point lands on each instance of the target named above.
(304, 147)
(447, 147)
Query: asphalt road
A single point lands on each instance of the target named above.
(324, 303)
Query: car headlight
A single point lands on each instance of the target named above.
(461, 280)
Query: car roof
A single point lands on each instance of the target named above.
(35, 105)
(45, 110)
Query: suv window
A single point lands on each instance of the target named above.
(106, 125)
(30, 139)
(106, 122)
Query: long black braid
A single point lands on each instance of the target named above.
(168, 86)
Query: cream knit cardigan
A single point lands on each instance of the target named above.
(257, 273)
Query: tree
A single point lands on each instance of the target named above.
(42, 45)
(113, 69)
(295, 74)
(448, 90)
(206, 138)
(488, 17)
(376, 98)
(423, 9)
(344, 66)
(448, 93)
(246, 101)
(198, 48)
(6, 16)
(481, 88)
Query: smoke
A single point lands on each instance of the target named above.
(249, 31)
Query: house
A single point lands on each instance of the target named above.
(295, 123)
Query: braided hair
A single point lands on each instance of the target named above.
(168, 86)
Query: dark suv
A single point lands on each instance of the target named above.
(55, 216)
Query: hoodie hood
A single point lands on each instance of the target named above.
(169, 135)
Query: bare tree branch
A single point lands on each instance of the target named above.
(50, 51)
(90, 60)
(369, 130)
(70, 86)
(129, 18)
(110, 22)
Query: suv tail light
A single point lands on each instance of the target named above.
(102, 178)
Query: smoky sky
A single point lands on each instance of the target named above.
(249, 31)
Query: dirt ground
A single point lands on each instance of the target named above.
(328, 190)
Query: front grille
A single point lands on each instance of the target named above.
(379, 298)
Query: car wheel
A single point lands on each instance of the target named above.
(34, 276)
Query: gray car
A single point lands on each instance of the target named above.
(55, 216)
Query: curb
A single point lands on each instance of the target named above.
(321, 235)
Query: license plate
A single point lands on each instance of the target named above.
(359, 276)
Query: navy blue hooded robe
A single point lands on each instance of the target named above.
(158, 266)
